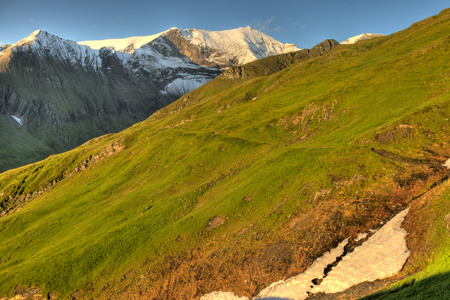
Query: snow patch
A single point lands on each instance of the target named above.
(447, 164)
(184, 85)
(18, 120)
(361, 236)
(381, 256)
(222, 296)
(297, 287)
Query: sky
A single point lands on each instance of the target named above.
(302, 22)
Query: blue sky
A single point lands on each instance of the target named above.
(302, 22)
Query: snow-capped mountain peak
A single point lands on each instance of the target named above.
(243, 44)
(126, 45)
(43, 43)
(29, 40)
(179, 60)
(235, 46)
(364, 36)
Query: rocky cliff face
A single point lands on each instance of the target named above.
(55, 94)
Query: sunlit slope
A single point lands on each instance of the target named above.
(239, 183)
(430, 225)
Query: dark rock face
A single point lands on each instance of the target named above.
(195, 54)
(63, 100)
(56, 94)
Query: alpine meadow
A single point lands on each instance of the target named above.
(247, 180)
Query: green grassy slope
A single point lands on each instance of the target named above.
(433, 282)
(27, 148)
(276, 63)
(239, 183)
(63, 105)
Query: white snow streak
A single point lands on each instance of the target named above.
(297, 287)
(381, 256)
(447, 164)
(19, 120)
(222, 296)
(181, 86)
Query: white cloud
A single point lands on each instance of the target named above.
(266, 25)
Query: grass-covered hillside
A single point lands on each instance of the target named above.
(244, 182)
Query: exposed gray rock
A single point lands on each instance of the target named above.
(56, 94)
(64, 100)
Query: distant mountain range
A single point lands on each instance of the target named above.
(56, 94)
(209, 48)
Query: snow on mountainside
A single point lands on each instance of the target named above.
(238, 46)
(364, 36)
(138, 55)
(126, 45)
(243, 45)
(72, 93)
(76, 91)
(180, 60)
(66, 50)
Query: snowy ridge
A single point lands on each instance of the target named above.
(126, 45)
(145, 57)
(156, 57)
(242, 45)
(239, 46)
(66, 50)
(364, 36)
